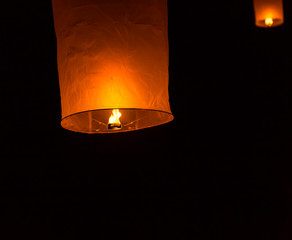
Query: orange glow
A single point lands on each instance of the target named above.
(268, 13)
(113, 59)
(269, 21)
(114, 120)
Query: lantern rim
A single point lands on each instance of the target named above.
(276, 22)
(166, 117)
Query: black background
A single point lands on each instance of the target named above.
(220, 170)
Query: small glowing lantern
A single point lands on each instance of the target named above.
(113, 64)
(268, 13)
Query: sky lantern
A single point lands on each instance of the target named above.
(268, 13)
(113, 64)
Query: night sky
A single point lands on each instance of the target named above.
(220, 170)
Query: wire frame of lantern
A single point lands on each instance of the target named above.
(113, 64)
(268, 13)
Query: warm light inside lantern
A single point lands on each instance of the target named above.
(268, 13)
(113, 64)
(114, 120)
(269, 22)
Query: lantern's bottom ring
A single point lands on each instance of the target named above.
(96, 121)
(276, 22)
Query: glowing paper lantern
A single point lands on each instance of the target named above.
(268, 13)
(113, 64)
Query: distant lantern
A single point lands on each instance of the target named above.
(268, 13)
(113, 64)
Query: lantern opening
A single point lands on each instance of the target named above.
(114, 120)
(97, 121)
(269, 22)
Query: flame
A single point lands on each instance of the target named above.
(269, 21)
(115, 118)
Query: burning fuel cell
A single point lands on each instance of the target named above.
(114, 120)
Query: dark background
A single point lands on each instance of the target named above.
(220, 170)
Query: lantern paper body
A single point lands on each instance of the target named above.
(268, 13)
(112, 54)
